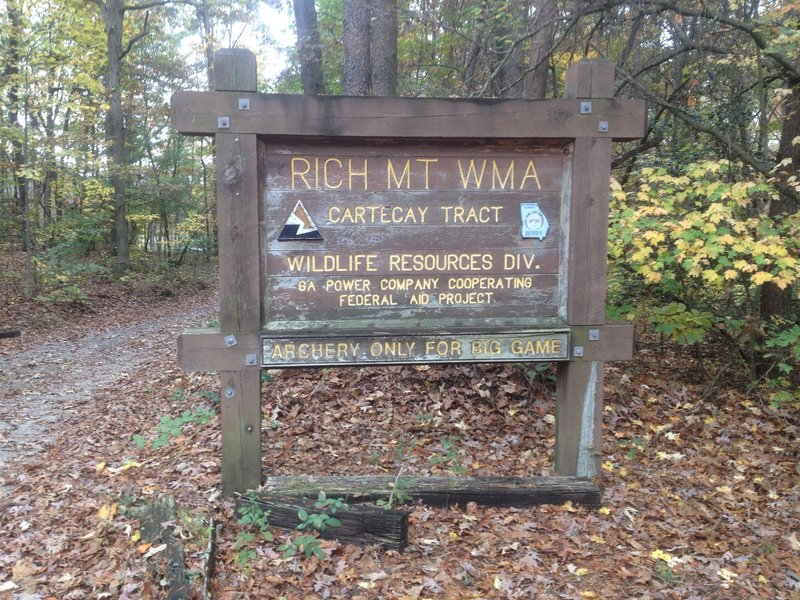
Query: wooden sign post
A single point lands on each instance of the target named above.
(365, 231)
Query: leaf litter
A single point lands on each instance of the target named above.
(701, 496)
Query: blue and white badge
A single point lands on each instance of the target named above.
(534, 223)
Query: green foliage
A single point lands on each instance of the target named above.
(783, 347)
(449, 457)
(399, 495)
(170, 427)
(681, 325)
(252, 516)
(306, 545)
(692, 247)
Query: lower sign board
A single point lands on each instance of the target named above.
(410, 349)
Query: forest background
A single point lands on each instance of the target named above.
(704, 239)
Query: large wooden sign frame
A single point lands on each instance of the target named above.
(357, 231)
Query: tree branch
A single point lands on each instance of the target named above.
(136, 38)
(146, 5)
(741, 153)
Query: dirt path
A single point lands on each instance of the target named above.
(42, 384)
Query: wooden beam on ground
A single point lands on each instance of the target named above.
(153, 518)
(9, 333)
(444, 491)
(361, 525)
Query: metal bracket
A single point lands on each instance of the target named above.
(223, 122)
(230, 341)
(577, 351)
(244, 103)
(229, 393)
(586, 107)
(250, 360)
(594, 335)
(602, 126)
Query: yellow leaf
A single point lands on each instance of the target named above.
(608, 466)
(498, 583)
(100, 466)
(107, 512)
(731, 274)
(762, 579)
(762, 277)
(142, 548)
(727, 575)
(581, 571)
(137, 535)
(604, 510)
(367, 585)
(589, 594)
(597, 539)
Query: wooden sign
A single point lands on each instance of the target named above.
(361, 231)
(411, 237)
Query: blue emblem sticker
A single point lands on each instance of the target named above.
(534, 222)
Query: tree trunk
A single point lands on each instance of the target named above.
(508, 59)
(309, 47)
(541, 48)
(384, 47)
(113, 18)
(11, 74)
(776, 303)
(355, 42)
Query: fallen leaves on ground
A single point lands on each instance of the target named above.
(700, 500)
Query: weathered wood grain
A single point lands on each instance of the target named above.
(241, 430)
(444, 491)
(235, 70)
(361, 525)
(196, 113)
(157, 523)
(579, 387)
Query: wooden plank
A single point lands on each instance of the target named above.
(579, 414)
(9, 333)
(241, 431)
(587, 227)
(158, 526)
(238, 215)
(444, 491)
(197, 113)
(604, 343)
(361, 525)
(235, 69)
(207, 350)
(590, 79)
(579, 387)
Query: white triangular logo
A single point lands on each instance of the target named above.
(299, 225)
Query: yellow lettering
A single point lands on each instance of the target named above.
(298, 173)
(496, 176)
(426, 162)
(392, 176)
(325, 173)
(530, 173)
(472, 173)
(356, 173)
